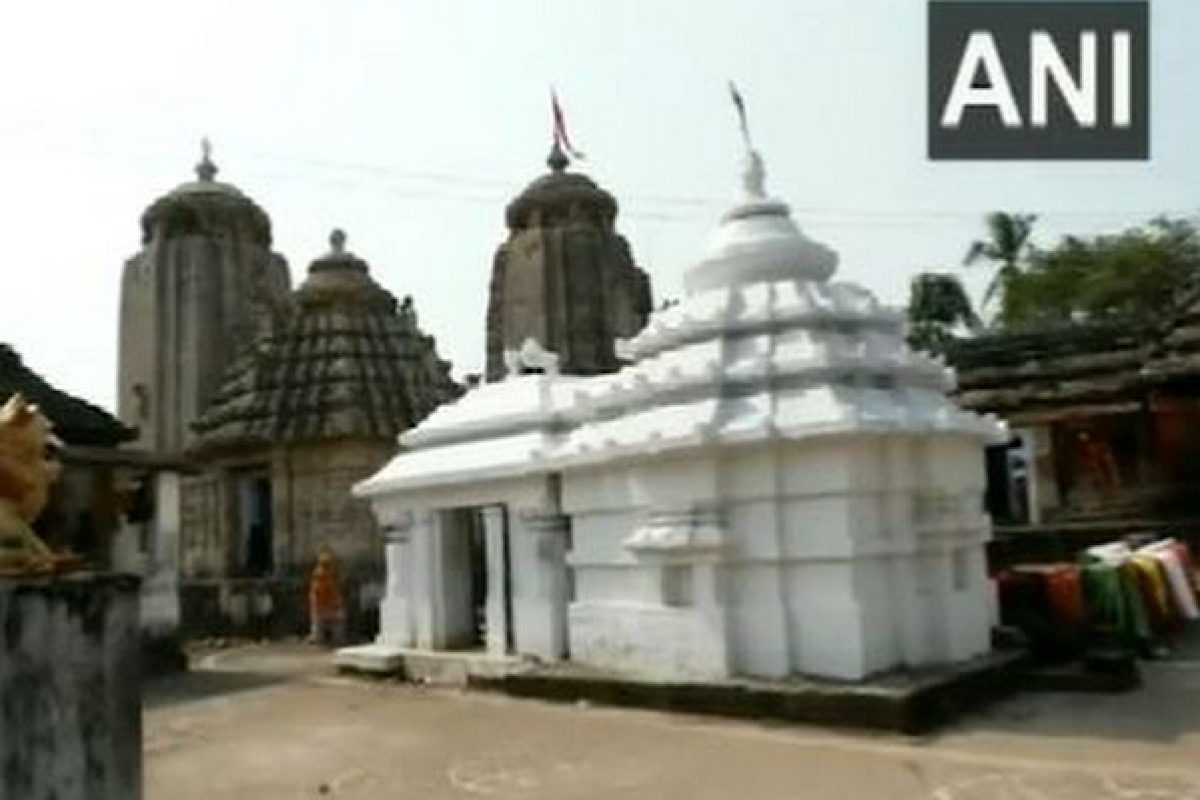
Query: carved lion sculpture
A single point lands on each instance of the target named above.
(27, 470)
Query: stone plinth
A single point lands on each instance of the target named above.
(70, 726)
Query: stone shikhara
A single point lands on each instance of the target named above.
(564, 277)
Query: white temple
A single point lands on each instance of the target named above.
(774, 485)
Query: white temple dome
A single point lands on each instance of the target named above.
(757, 241)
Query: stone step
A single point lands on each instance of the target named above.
(434, 667)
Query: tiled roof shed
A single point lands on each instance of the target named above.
(1051, 371)
(1079, 368)
(76, 422)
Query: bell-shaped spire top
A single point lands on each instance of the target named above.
(757, 240)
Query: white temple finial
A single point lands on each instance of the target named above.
(754, 175)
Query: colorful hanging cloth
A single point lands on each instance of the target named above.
(1172, 557)
(1156, 594)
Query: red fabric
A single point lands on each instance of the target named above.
(1062, 585)
(1065, 589)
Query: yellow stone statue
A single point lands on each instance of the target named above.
(27, 469)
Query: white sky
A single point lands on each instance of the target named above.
(411, 124)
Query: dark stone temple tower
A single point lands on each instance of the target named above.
(564, 276)
(204, 276)
(310, 407)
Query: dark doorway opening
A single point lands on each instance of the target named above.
(464, 559)
(510, 637)
(477, 586)
(257, 528)
(477, 558)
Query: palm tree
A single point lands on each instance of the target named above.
(1007, 246)
(938, 305)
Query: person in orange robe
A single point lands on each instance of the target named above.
(326, 612)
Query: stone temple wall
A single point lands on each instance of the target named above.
(323, 511)
(70, 689)
(311, 505)
(201, 512)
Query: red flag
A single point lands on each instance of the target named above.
(560, 128)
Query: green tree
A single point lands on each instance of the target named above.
(938, 309)
(1006, 247)
(1137, 273)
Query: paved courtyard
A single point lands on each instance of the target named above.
(274, 721)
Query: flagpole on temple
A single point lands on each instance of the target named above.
(740, 105)
(754, 175)
(562, 147)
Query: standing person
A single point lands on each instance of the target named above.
(326, 612)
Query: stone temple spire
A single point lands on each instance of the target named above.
(564, 277)
(343, 361)
(190, 298)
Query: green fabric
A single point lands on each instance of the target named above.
(1135, 609)
(1114, 600)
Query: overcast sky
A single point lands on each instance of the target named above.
(411, 124)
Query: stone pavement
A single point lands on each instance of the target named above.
(274, 721)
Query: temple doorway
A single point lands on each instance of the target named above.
(465, 567)
(255, 525)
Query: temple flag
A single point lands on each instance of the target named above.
(560, 128)
(740, 105)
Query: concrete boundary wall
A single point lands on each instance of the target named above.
(70, 688)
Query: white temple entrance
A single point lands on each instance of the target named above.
(476, 580)
(482, 571)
